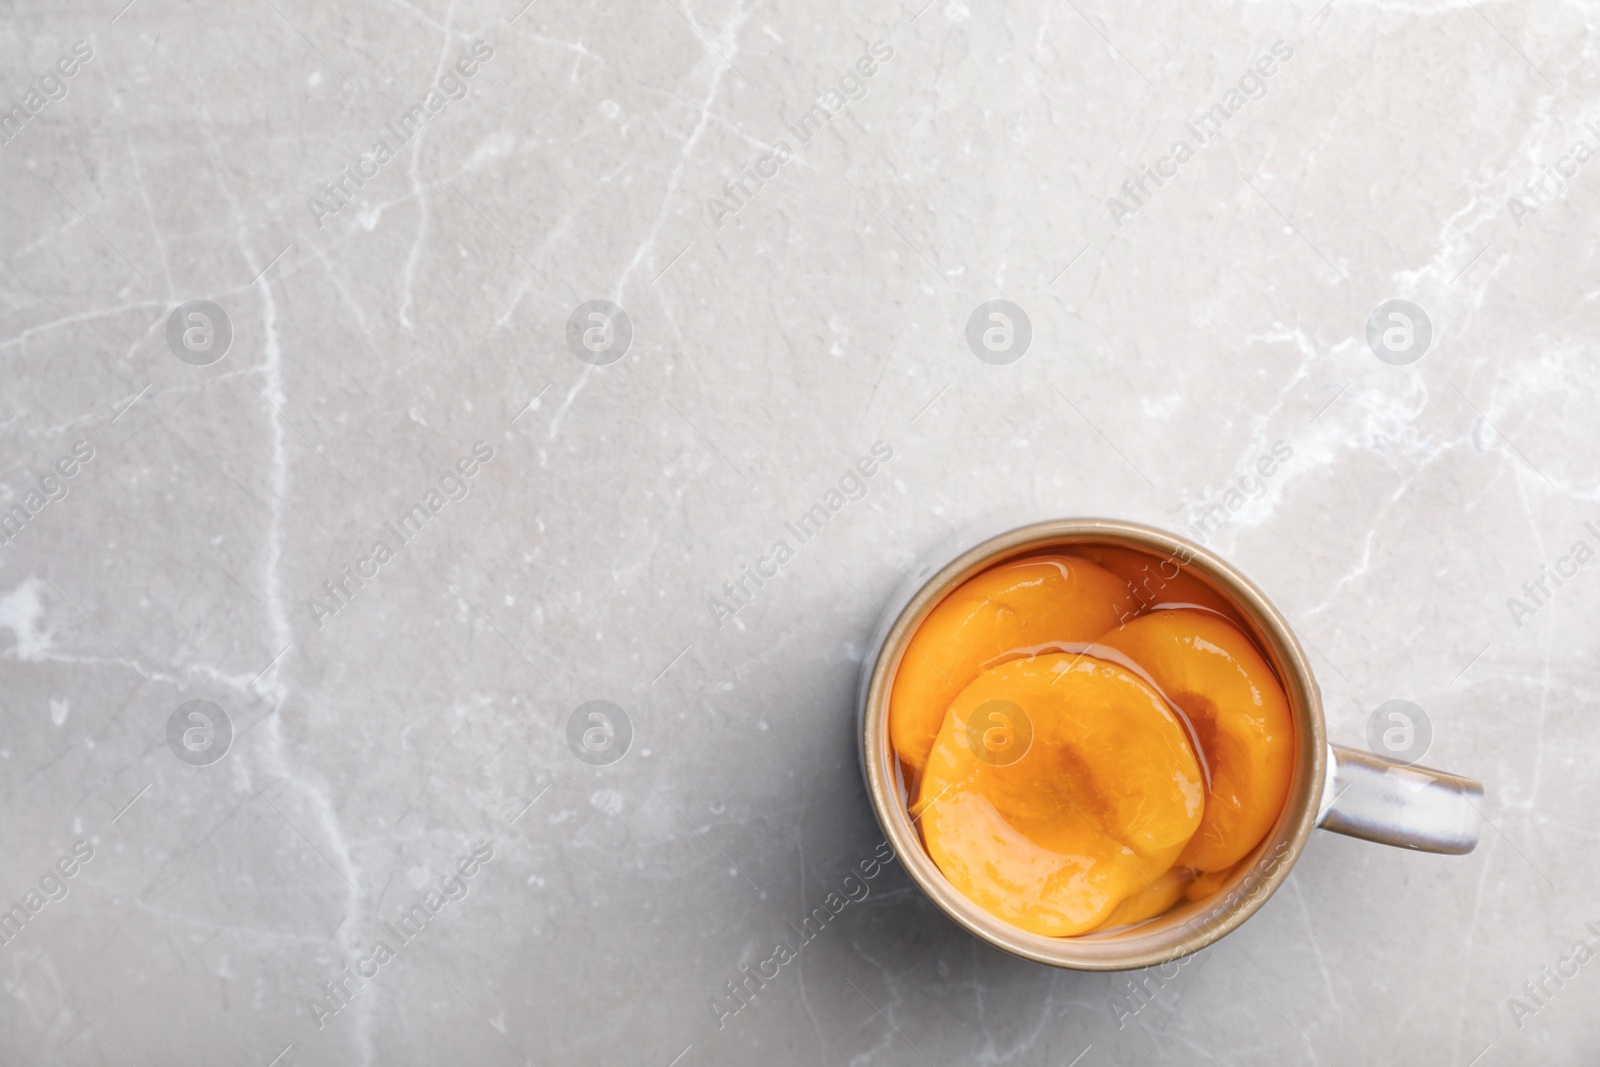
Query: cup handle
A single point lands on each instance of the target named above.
(1394, 804)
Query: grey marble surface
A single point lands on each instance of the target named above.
(382, 332)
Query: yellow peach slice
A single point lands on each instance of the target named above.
(1212, 672)
(1014, 607)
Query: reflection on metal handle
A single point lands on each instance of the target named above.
(1410, 807)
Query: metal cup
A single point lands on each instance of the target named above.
(1341, 789)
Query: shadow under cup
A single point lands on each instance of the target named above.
(1188, 926)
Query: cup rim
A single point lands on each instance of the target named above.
(1186, 929)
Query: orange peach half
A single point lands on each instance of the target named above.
(1212, 672)
(1093, 808)
(1152, 900)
